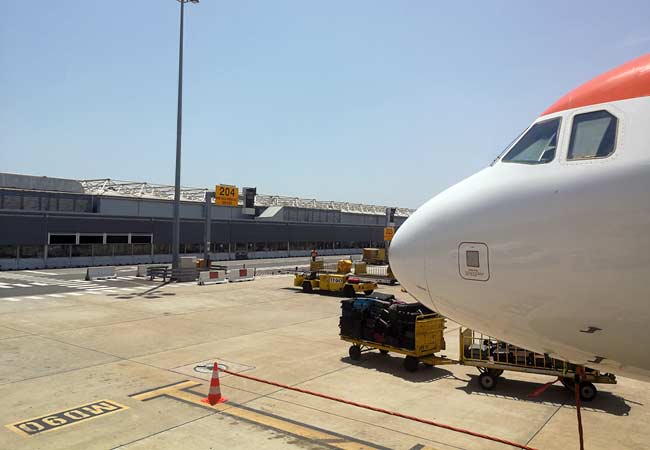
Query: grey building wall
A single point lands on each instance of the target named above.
(32, 183)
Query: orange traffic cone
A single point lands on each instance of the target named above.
(214, 395)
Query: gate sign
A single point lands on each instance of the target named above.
(389, 232)
(226, 195)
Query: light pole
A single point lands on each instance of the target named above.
(176, 228)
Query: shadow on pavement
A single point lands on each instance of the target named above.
(557, 395)
(393, 365)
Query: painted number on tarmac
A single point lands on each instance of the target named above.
(67, 417)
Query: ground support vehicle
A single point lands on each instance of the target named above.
(346, 284)
(492, 357)
(377, 273)
(375, 256)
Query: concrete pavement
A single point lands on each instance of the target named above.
(134, 362)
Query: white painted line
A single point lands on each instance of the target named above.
(21, 285)
(39, 284)
(76, 294)
(55, 295)
(5, 287)
(10, 299)
(126, 289)
(40, 273)
(110, 291)
(35, 297)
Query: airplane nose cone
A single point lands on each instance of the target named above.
(407, 255)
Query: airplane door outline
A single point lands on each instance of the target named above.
(474, 261)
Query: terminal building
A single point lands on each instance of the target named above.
(53, 222)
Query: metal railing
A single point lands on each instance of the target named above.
(108, 186)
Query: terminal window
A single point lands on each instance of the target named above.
(141, 239)
(117, 238)
(91, 239)
(63, 238)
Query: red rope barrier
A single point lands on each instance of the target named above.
(580, 371)
(381, 410)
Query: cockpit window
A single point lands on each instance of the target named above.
(537, 146)
(593, 136)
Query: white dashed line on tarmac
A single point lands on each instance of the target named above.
(10, 299)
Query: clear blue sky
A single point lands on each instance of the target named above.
(379, 102)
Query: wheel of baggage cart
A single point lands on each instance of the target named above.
(496, 373)
(383, 352)
(487, 381)
(368, 292)
(587, 390)
(411, 363)
(355, 352)
(307, 287)
(348, 291)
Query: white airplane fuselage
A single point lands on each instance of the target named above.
(553, 257)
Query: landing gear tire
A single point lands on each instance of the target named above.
(411, 363)
(307, 287)
(383, 352)
(348, 291)
(368, 292)
(487, 381)
(496, 373)
(355, 352)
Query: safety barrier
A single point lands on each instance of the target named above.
(163, 272)
(212, 277)
(242, 274)
(142, 270)
(96, 273)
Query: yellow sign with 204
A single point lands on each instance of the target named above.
(225, 195)
(389, 232)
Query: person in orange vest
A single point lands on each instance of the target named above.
(314, 254)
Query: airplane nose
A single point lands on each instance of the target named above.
(407, 256)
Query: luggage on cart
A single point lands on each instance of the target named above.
(381, 318)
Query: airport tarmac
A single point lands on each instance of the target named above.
(128, 369)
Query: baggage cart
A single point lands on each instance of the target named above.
(429, 339)
(492, 357)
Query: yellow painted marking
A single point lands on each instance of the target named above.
(309, 433)
(70, 416)
(169, 390)
(252, 416)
